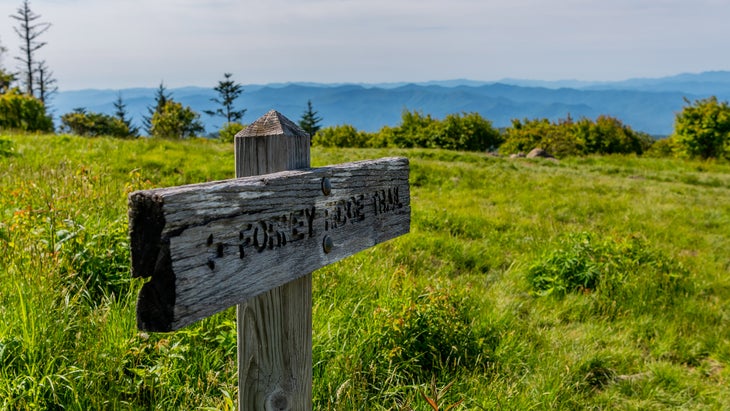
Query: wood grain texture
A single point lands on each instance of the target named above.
(234, 239)
(275, 327)
(275, 348)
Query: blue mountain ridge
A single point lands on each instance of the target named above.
(648, 105)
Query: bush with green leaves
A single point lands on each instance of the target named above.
(702, 129)
(421, 333)
(524, 135)
(90, 124)
(95, 265)
(572, 267)
(608, 135)
(664, 147)
(566, 137)
(173, 121)
(6, 147)
(22, 112)
(341, 136)
(467, 131)
(229, 131)
(620, 275)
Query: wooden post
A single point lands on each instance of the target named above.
(253, 242)
(275, 328)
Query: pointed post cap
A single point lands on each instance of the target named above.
(272, 123)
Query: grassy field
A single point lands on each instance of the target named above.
(588, 283)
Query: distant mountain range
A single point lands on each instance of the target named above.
(647, 105)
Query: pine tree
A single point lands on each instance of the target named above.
(176, 121)
(122, 115)
(309, 121)
(46, 82)
(161, 98)
(29, 30)
(228, 91)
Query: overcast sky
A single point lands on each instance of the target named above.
(138, 43)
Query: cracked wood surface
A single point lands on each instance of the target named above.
(213, 245)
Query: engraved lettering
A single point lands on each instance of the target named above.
(278, 231)
(281, 228)
(260, 245)
(386, 200)
(340, 217)
(357, 208)
(274, 236)
(270, 234)
(297, 224)
(396, 198)
(244, 240)
(310, 220)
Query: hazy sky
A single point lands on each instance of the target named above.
(137, 43)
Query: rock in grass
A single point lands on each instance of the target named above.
(539, 153)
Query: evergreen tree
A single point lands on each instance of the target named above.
(46, 82)
(122, 115)
(228, 91)
(29, 30)
(161, 98)
(176, 122)
(309, 121)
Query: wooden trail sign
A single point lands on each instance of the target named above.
(213, 245)
(254, 241)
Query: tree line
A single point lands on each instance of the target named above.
(25, 95)
(701, 129)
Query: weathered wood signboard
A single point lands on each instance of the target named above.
(210, 246)
(254, 241)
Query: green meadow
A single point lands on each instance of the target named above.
(585, 283)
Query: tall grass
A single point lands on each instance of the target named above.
(596, 283)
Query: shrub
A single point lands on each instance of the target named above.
(90, 124)
(469, 132)
(608, 135)
(524, 135)
(702, 129)
(94, 264)
(229, 131)
(455, 132)
(605, 135)
(573, 267)
(22, 112)
(664, 147)
(622, 275)
(341, 136)
(6, 148)
(420, 334)
(466, 131)
(175, 121)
